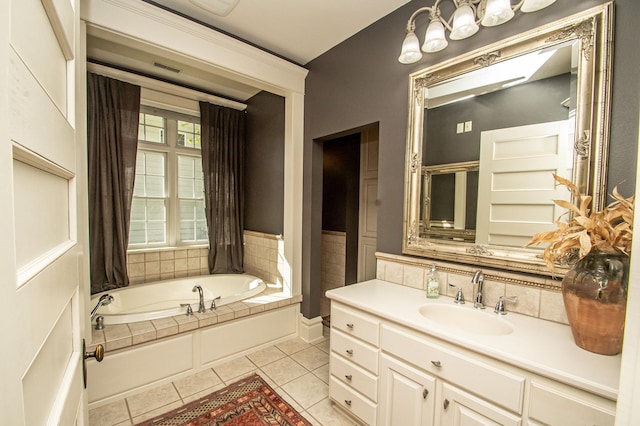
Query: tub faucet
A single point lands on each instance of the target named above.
(478, 278)
(105, 299)
(201, 307)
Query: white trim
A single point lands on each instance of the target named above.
(177, 95)
(310, 330)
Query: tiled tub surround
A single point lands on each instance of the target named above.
(262, 257)
(334, 252)
(148, 353)
(538, 296)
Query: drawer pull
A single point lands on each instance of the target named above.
(350, 325)
(348, 402)
(425, 392)
(446, 403)
(348, 377)
(350, 351)
(436, 363)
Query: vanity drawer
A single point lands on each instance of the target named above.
(355, 351)
(352, 402)
(356, 324)
(493, 384)
(354, 376)
(552, 403)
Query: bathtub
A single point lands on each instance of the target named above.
(143, 302)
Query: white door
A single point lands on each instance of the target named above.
(516, 185)
(368, 205)
(43, 216)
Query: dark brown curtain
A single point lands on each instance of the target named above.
(113, 109)
(223, 135)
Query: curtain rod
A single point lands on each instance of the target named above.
(162, 86)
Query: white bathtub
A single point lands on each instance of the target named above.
(162, 299)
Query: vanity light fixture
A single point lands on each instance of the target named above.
(462, 24)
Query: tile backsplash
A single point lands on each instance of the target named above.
(261, 258)
(334, 252)
(538, 296)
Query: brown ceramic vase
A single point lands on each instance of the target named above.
(595, 298)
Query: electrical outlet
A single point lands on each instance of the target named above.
(467, 126)
(459, 127)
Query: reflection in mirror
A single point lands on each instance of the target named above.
(489, 129)
(449, 201)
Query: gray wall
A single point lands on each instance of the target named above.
(360, 81)
(264, 164)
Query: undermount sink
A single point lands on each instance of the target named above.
(467, 319)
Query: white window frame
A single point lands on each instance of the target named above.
(171, 150)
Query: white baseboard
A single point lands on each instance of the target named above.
(310, 330)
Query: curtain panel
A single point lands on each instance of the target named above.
(223, 140)
(113, 109)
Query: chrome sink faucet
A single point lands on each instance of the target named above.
(201, 307)
(478, 278)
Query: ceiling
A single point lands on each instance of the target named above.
(297, 30)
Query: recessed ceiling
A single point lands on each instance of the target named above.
(299, 30)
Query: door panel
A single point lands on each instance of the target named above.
(516, 188)
(43, 249)
(368, 205)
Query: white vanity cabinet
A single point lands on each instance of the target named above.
(384, 372)
(354, 362)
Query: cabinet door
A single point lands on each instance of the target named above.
(459, 408)
(407, 394)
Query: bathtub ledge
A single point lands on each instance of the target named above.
(119, 336)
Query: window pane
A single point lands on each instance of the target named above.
(154, 186)
(187, 166)
(154, 163)
(155, 232)
(190, 183)
(151, 128)
(148, 221)
(188, 134)
(193, 226)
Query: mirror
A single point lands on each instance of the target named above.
(488, 129)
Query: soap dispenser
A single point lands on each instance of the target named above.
(433, 283)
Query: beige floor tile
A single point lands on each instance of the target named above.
(234, 368)
(326, 414)
(284, 370)
(198, 382)
(293, 345)
(324, 344)
(110, 414)
(311, 358)
(156, 412)
(322, 373)
(152, 399)
(266, 356)
(289, 399)
(202, 393)
(307, 390)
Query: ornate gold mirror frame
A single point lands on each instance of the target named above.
(592, 29)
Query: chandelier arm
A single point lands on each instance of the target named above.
(411, 24)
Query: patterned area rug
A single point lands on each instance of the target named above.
(248, 402)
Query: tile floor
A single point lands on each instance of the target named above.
(297, 370)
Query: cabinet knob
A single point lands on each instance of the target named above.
(350, 351)
(348, 402)
(446, 403)
(348, 377)
(350, 325)
(425, 393)
(436, 363)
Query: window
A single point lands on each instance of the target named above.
(168, 195)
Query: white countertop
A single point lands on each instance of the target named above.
(542, 347)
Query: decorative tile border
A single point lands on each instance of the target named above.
(538, 296)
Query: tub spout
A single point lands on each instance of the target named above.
(201, 307)
(105, 299)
